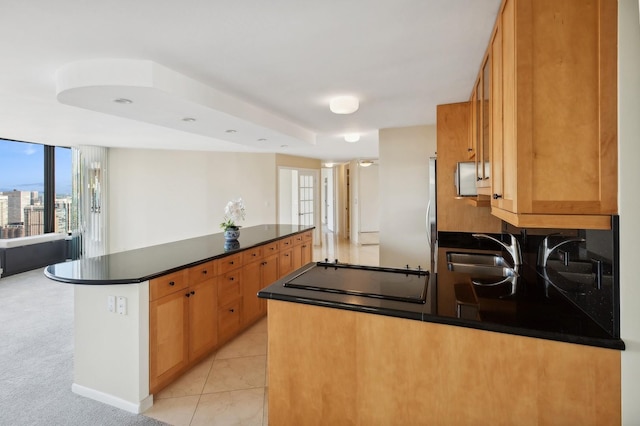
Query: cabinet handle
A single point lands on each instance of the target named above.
(204, 272)
(469, 149)
(193, 292)
(231, 310)
(188, 295)
(231, 263)
(231, 278)
(254, 254)
(304, 246)
(286, 255)
(172, 283)
(479, 178)
(496, 196)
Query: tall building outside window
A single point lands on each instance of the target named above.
(22, 186)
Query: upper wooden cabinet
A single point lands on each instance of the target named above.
(553, 113)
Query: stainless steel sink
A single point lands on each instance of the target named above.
(479, 264)
(476, 259)
(485, 269)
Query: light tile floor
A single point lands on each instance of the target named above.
(230, 387)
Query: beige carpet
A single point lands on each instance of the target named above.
(36, 358)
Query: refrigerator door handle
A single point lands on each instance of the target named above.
(428, 223)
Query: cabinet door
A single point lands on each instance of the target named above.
(473, 122)
(306, 253)
(229, 320)
(285, 262)
(504, 152)
(483, 160)
(251, 284)
(168, 338)
(203, 318)
(269, 276)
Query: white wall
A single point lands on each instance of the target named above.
(159, 196)
(629, 177)
(404, 193)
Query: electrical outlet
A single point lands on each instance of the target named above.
(111, 304)
(122, 305)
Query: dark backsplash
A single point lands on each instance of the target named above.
(586, 273)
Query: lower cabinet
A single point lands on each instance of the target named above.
(197, 309)
(168, 339)
(302, 249)
(203, 319)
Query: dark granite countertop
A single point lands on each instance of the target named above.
(536, 309)
(139, 265)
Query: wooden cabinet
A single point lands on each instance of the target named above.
(553, 113)
(168, 328)
(479, 128)
(256, 276)
(195, 310)
(203, 319)
(302, 249)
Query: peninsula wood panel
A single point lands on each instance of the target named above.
(452, 142)
(363, 369)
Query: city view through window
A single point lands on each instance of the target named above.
(22, 183)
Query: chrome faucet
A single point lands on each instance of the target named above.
(544, 251)
(513, 248)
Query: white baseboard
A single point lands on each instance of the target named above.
(114, 401)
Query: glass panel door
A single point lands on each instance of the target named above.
(305, 198)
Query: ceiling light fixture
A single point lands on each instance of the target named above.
(189, 119)
(352, 137)
(262, 140)
(123, 101)
(328, 164)
(366, 163)
(344, 105)
(230, 131)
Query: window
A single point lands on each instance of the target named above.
(23, 208)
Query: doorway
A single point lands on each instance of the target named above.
(298, 195)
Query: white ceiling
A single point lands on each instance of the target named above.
(262, 66)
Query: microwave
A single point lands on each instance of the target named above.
(465, 179)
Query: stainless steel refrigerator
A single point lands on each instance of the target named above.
(432, 228)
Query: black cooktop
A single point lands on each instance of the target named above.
(404, 285)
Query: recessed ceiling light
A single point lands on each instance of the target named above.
(284, 146)
(352, 137)
(262, 140)
(344, 105)
(230, 131)
(189, 119)
(123, 101)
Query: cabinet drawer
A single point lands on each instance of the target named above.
(201, 273)
(298, 239)
(229, 263)
(251, 255)
(229, 287)
(308, 236)
(229, 317)
(286, 243)
(167, 284)
(271, 248)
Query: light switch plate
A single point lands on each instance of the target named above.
(111, 304)
(122, 305)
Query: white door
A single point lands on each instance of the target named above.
(306, 190)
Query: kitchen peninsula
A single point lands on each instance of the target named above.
(527, 356)
(143, 317)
